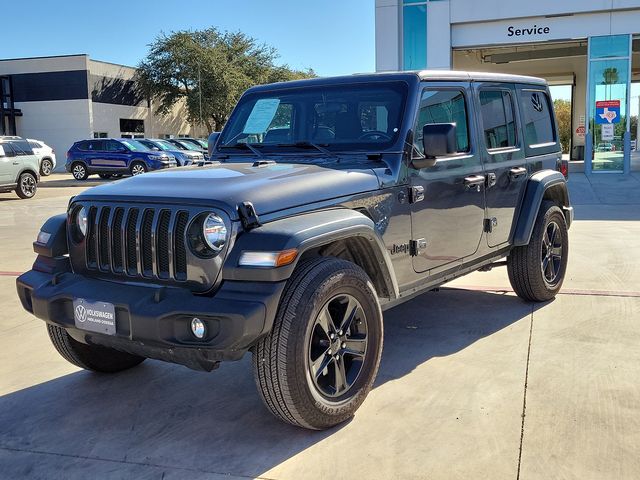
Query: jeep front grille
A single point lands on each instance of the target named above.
(137, 241)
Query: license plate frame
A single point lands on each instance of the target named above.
(94, 316)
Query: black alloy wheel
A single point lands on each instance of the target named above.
(337, 346)
(551, 254)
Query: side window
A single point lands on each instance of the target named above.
(498, 119)
(96, 145)
(22, 147)
(538, 118)
(84, 146)
(35, 145)
(443, 106)
(8, 150)
(113, 146)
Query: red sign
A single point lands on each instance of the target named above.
(608, 104)
(580, 131)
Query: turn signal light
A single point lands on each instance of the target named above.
(268, 259)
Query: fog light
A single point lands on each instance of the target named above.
(197, 328)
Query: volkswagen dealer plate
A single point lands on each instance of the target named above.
(97, 317)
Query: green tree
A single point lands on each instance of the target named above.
(563, 116)
(209, 70)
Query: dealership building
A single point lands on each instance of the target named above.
(62, 99)
(591, 47)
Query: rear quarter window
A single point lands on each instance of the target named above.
(538, 122)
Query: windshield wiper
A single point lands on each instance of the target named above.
(245, 146)
(308, 144)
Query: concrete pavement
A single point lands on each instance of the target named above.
(474, 383)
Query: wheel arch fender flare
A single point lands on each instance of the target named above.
(547, 184)
(309, 233)
(28, 169)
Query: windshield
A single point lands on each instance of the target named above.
(162, 145)
(188, 146)
(134, 145)
(337, 117)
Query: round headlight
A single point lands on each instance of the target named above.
(214, 232)
(81, 222)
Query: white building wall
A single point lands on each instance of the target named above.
(388, 51)
(57, 123)
(438, 35)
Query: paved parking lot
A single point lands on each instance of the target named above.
(474, 383)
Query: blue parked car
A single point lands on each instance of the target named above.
(183, 157)
(110, 157)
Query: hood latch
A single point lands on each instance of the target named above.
(248, 216)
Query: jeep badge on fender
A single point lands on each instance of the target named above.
(327, 202)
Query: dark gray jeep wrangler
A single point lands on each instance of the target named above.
(329, 201)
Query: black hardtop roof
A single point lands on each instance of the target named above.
(411, 76)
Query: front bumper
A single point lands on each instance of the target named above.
(154, 322)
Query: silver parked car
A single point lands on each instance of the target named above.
(183, 157)
(19, 167)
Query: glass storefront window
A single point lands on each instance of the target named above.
(609, 77)
(414, 37)
(610, 46)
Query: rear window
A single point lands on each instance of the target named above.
(538, 119)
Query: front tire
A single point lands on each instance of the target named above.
(90, 357)
(46, 167)
(537, 270)
(27, 185)
(138, 168)
(320, 360)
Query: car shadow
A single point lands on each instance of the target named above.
(72, 182)
(166, 415)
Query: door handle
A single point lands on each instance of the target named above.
(517, 173)
(16, 163)
(474, 181)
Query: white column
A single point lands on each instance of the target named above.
(439, 35)
(388, 52)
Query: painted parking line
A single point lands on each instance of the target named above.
(563, 291)
(10, 274)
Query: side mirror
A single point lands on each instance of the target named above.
(438, 140)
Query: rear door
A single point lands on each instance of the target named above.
(447, 208)
(96, 154)
(503, 157)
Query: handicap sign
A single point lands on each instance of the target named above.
(608, 111)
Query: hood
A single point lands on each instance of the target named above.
(270, 188)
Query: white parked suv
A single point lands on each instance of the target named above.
(45, 154)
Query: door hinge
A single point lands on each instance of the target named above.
(248, 216)
(417, 246)
(416, 194)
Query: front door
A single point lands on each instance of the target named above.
(503, 157)
(448, 199)
(8, 162)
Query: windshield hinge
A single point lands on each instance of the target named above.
(248, 216)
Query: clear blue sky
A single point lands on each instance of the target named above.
(330, 36)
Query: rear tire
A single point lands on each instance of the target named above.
(79, 171)
(319, 362)
(90, 357)
(138, 168)
(537, 270)
(27, 185)
(46, 167)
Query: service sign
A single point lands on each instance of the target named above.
(607, 111)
